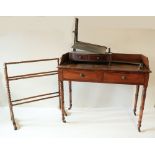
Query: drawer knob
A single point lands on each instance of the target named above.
(82, 75)
(123, 77)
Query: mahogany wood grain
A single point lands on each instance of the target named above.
(83, 75)
(124, 78)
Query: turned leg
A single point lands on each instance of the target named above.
(13, 118)
(59, 94)
(9, 99)
(142, 107)
(70, 95)
(136, 99)
(62, 101)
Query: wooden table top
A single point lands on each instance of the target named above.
(105, 67)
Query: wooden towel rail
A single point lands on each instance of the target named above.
(25, 76)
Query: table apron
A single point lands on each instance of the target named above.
(102, 76)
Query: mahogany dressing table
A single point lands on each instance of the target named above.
(105, 71)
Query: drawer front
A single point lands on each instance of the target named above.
(124, 78)
(82, 75)
(88, 57)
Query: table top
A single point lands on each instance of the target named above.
(105, 67)
(120, 63)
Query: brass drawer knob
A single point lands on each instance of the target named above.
(123, 77)
(82, 75)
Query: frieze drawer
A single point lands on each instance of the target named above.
(124, 78)
(83, 75)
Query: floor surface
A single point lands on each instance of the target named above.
(82, 122)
